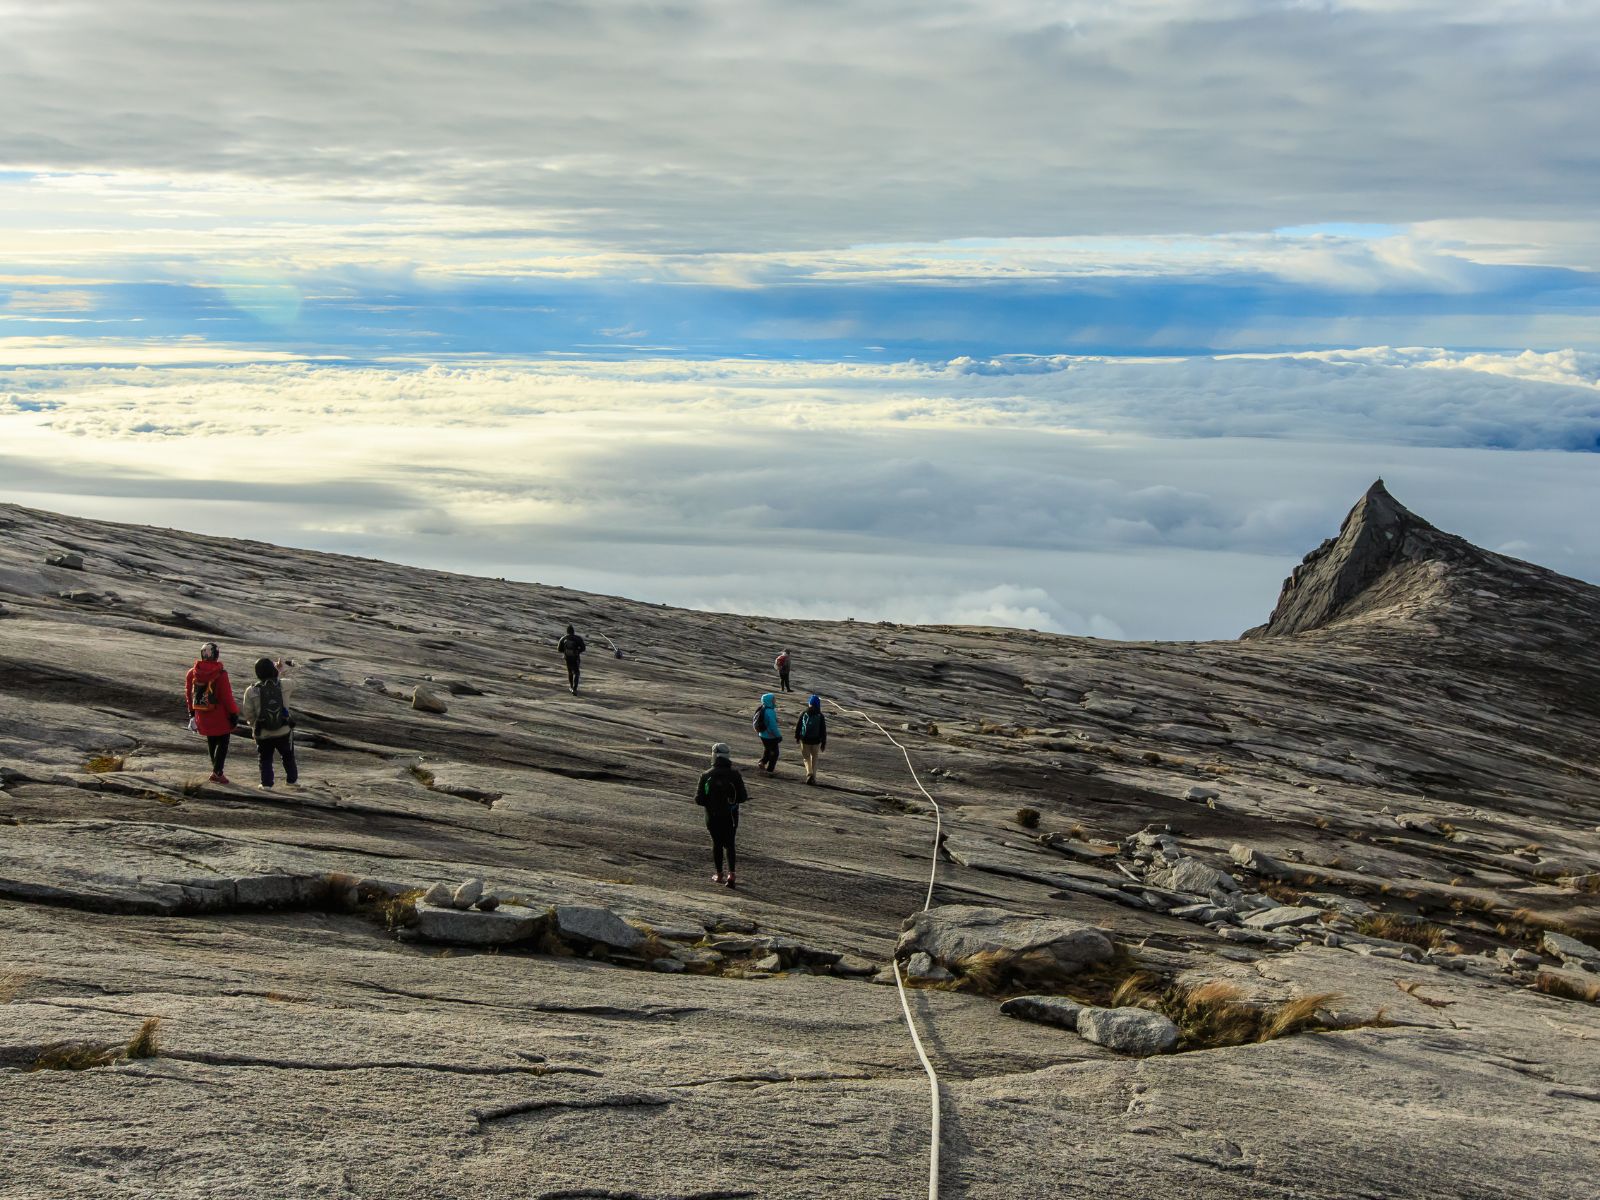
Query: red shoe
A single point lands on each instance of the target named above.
(220, 778)
(716, 877)
(214, 777)
(728, 882)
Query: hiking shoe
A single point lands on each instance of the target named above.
(221, 778)
(215, 777)
(811, 779)
(728, 882)
(716, 877)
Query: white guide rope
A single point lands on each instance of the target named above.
(905, 1005)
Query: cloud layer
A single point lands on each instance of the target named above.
(1147, 498)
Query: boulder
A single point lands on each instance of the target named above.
(591, 923)
(853, 966)
(427, 699)
(1571, 951)
(69, 560)
(1252, 859)
(1283, 917)
(953, 934)
(1136, 1031)
(470, 927)
(1202, 794)
(1190, 875)
(1044, 1010)
(467, 894)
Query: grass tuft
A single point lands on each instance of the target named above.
(1028, 818)
(104, 764)
(1395, 928)
(143, 1044)
(400, 910)
(421, 774)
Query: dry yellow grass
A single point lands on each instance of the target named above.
(104, 764)
(1568, 989)
(143, 1043)
(83, 1056)
(1028, 818)
(1396, 928)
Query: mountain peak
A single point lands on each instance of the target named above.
(1341, 577)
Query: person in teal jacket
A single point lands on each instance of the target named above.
(771, 735)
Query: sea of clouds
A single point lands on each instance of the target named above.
(1114, 497)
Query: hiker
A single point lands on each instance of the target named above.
(571, 647)
(720, 792)
(765, 723)
(213, 712)
(266, 710)
(811, 731)
(782, 663)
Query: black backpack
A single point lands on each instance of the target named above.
(759, 721)
(720, 791)
(204, 696)
(808, 725)
(274, 713)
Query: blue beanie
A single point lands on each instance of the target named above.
(813, 701)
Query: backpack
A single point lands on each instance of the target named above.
(759, 721)
(808, 725)
(274, 713)
(719, 791)
(204, 696)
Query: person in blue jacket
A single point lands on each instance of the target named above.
(766, 724)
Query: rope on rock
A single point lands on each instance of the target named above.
(899, 983)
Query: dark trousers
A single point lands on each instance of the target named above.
(285, 747)
(572, 673)
(217, 748)
(722, 831)
(783, 680)
(769, 753)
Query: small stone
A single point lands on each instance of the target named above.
(1044, 1010)
(1202, 794)
(487, 903)
(439, 893)
(467, 894)
(69, 561)
(1571, 951)
(771, 962)
(669, 966)
(853, 966)
(427, 699)
(920, 966)
(1136, 1031)
(373, 684)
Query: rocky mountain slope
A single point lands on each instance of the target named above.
(1328, 895)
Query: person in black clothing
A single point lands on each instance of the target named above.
(572, 648)
(720, 792)
(782, 664)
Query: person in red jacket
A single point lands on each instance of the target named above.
(213, 711)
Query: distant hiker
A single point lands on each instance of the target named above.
(765, 723)
(720, 792)
(213, 712)
(572, 647)
(782, 663)
(266, 710)
(811, 731)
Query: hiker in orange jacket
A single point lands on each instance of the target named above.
(213, 712)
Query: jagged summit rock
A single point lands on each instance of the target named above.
(1383, 554)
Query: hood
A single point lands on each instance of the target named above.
(204, 670)
(769, 701)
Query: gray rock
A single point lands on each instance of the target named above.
(771, 962)
(373, 684)
(467, 894)
(952, 934)
(1571, 951)
(1348, 905)
(1203, 913)
(79, 596)
(1252, 859)
(921, 967)
(469, 927)
(439, 893)
(1135, 1031)
(69, 560)
(591, 923)
(1044, 1010)
(1202, 794)
(427, 699)
(1105, 706)
(853, 966)
(1418, 823)
(1283, 917)
(1190, 875)
(487, 903)
(668, 966)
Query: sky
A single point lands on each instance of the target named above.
(1064, 314)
